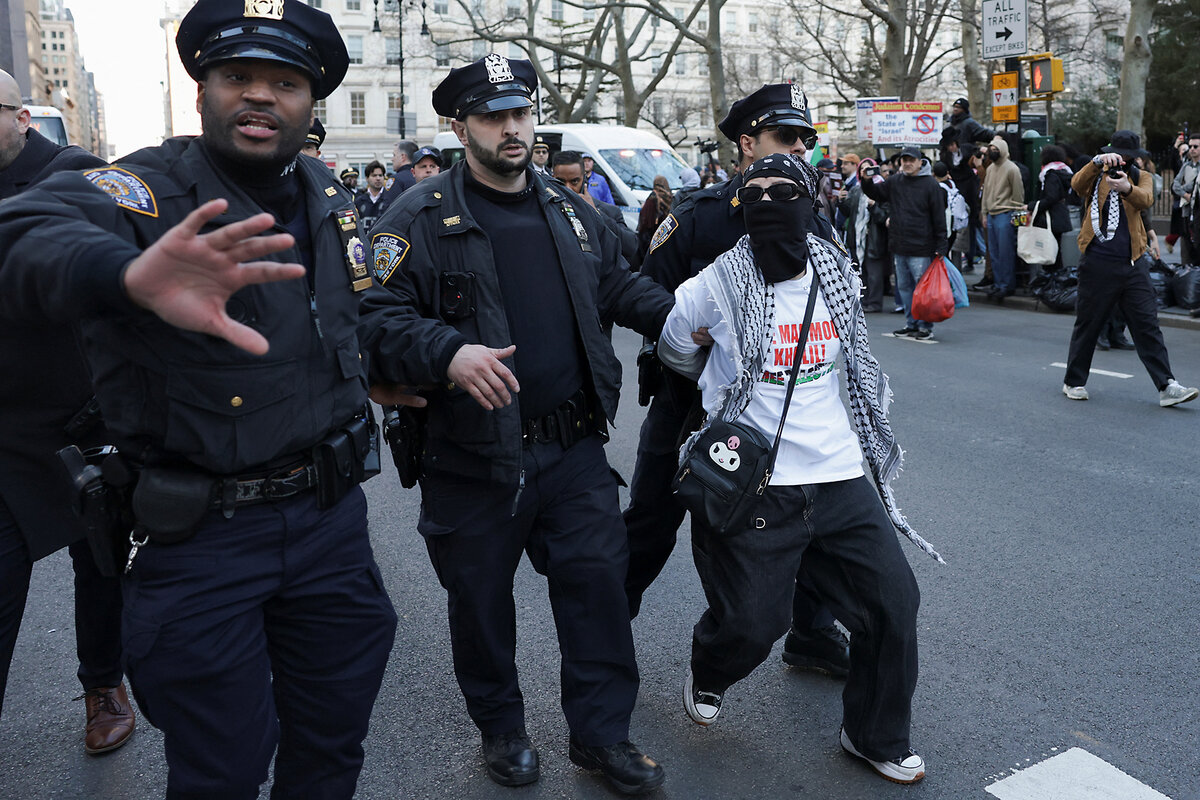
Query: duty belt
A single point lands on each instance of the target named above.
(567, 424)
(262, 488)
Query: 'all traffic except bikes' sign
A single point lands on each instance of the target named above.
(1005, 29)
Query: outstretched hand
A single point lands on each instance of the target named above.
(186, 277)
(478, 370)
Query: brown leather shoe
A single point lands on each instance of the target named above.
(109, 719)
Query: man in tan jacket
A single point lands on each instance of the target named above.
(1003, 193)
(1112, 238)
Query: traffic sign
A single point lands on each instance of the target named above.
(1005, 105)
(1005, 29)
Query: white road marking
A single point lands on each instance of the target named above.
(1095, 371)
(1073, 775)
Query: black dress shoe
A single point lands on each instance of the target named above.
(1120, 343)
(511, 759)
(823, 649)
(1102, 344)
(622, 763)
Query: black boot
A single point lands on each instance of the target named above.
(823, 649)
(511, 759)
(622, 763)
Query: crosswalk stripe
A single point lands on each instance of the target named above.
(1073, 775)
(1094, 371)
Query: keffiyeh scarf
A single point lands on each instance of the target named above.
(747, 303)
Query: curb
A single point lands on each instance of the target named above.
(1170, 317)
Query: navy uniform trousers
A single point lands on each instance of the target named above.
(654, 514)
(269, 628)
(567, 519)
(97, 608)
(844, 536)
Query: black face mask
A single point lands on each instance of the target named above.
(994, 155)
(778, 236)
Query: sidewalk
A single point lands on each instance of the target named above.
(1169, 317)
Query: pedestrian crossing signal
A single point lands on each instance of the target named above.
(1046, 75)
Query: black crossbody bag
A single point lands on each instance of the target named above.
(729, 465)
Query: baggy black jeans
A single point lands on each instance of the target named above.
(851, 550)
(1105, 284)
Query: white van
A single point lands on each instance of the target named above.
(48, 121)
(628, 158)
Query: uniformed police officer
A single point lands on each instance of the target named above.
(497, 276)
(41, 411)
(349, 179)
(314, 140)
(774, 119)
(254, 611)
(541, 155)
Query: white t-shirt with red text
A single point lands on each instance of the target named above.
(818, 444)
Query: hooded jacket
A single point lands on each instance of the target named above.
(1002, 187)
(917, 224)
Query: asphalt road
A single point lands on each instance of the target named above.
(1066, 616)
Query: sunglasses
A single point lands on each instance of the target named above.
(788, 135)
(776, 191)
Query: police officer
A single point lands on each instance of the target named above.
(499, 281)
(541, 156)
(427, 162)
(349, 178)
(43, 410)
(314, 140)
(254, 611)
(703, 225)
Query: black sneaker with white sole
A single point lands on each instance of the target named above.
(908, 768)
(702, 706)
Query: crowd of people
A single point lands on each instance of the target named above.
(221, 308)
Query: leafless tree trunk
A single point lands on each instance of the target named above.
(1135, 69)
(977, 91)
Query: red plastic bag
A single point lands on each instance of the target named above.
(933, 299)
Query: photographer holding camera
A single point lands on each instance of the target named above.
(1111, 240)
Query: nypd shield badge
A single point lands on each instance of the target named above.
(126, 189)
(664, 231)
(388, 251)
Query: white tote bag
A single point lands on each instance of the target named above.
(1036, 245)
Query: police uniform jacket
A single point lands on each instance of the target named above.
(46, 382)
(412, 337)
(173, 395)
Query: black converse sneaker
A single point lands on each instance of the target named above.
(908, 768)
(703, 707)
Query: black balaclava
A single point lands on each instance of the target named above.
(778, 230)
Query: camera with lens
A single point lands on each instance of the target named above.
(871, 171)
(706, 145)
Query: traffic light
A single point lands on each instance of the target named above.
(1045, 75)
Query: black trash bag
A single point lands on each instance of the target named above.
(1061, 290)
(1186, 287)
(1161, 283)
(1163, 268)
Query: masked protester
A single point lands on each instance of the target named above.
(752, 300)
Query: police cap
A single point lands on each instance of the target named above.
(773, 104)
(286, 31)
(540, 141)
(427, 152)
(493, 83)
(316, 134)
(348, 172)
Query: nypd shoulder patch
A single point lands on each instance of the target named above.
(388, 251)
(126, 189)
(664, 231)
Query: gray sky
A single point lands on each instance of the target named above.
(124, 45)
